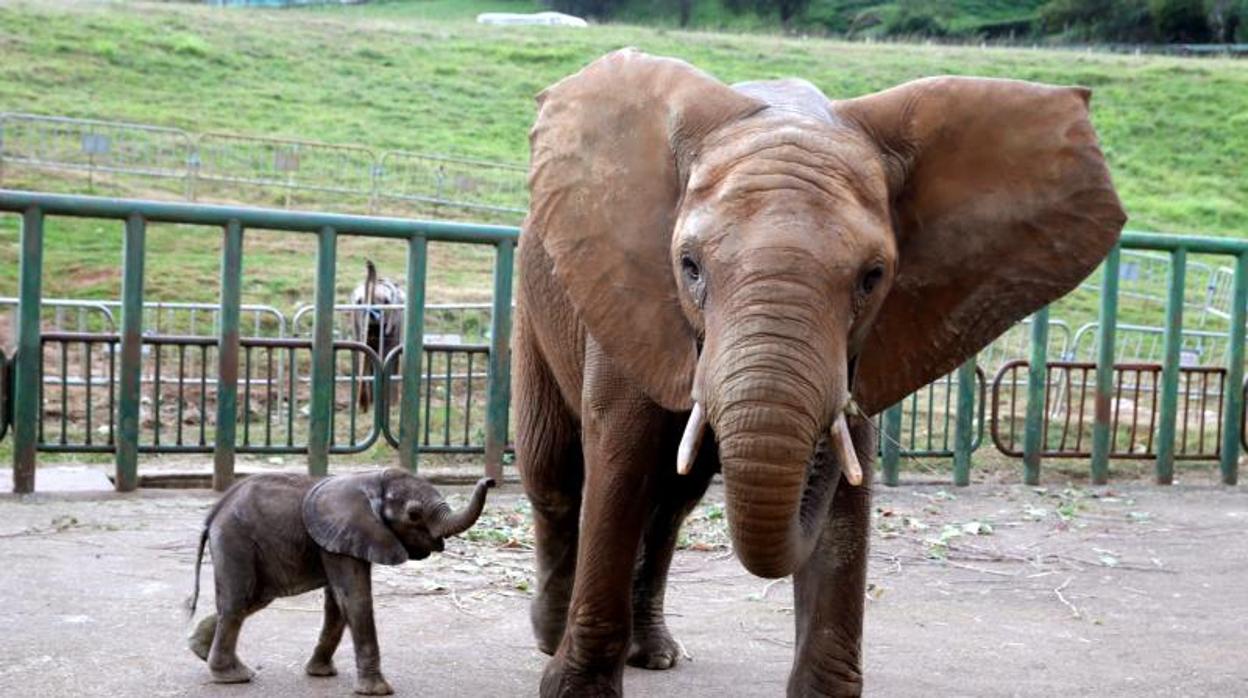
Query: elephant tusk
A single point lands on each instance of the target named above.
(844, 445)
(691, 440)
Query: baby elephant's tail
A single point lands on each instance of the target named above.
(199, 560)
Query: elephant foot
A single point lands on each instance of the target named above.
(317, 666)
(200, 640)
(560, 681)
(548, 623)
(373, 686)
(803, 685)
(237, 672)
(654, 648)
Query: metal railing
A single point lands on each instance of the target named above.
(232, 352)
(229, 166)
(1167, 410)
(1070, 410)
(1157, 406)
(1097, 409)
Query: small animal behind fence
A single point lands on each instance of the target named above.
(378, 322)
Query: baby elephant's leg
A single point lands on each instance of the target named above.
(201, 637)
(352, 585)
(237, 597)
(223, 659)
(322, 661)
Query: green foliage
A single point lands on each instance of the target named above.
(1167, 21)
(919, 18)
(598, 9)
(1180, 20)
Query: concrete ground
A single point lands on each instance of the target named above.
(994, 590)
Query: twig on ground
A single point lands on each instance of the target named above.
(767, 587)
(1074, 611)
(981, 570)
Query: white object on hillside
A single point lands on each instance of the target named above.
(546, 19)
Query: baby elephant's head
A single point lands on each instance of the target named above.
(388, 517)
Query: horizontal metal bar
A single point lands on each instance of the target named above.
(1192, 243)
(267, 219)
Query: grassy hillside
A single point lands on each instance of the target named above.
(422, 76)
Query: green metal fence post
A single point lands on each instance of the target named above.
(413, 353)
(1235, 374)
(321, 413)
(227, 356)
(1108, 325)
(128, 385)
(1169, 408)
(964, 434)
(1037, 381)
(498, 390)
(891, 461)
(29, 359)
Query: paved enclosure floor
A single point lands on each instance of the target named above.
(988, 591)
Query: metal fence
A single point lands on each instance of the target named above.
(114, 364)
(262, 170)
(1111, 391)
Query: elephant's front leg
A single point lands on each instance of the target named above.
(322, 661)
(830, 589)
(622, 433)
(351, 583)
(653, 646)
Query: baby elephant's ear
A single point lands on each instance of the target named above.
(343, 516)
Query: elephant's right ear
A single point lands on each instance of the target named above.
(343, 516)
(610, 155)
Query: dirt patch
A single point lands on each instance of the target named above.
(994, 590)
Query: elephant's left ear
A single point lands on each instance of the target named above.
(1002, 203)
(343, 515)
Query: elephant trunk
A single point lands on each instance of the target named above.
(452, 523)
(776, 391)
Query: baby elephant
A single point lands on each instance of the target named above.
(283, 534)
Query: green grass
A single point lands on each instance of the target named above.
(423, 76)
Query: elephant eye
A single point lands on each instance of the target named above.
(690, 269)
(870, 279)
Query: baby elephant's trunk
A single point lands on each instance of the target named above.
(452, 523)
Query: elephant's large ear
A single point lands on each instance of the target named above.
(610, 153)
(1002, 203)
(343, 515)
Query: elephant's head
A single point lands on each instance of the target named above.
(759, 254)
(385, 517)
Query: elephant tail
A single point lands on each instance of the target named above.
(199, 561)
(193, 600)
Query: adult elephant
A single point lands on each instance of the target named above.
(741, 261)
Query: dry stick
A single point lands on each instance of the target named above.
(1073, 610)
(981, 570)
(767, 587)
(460, 606)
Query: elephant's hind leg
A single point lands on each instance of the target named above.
(548, 454)
(200, 640)
(238, 595)
(652, 645)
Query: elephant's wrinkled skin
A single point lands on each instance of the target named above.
(757, 255)
(276, 535)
